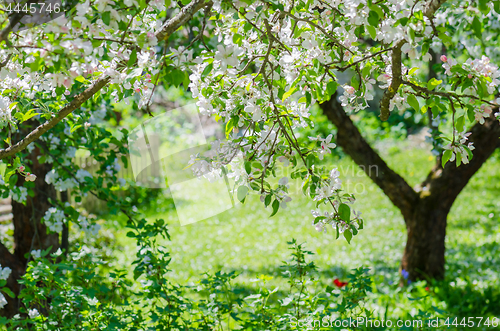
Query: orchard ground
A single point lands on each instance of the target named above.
(245, 239)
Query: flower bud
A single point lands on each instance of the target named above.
(443, 58)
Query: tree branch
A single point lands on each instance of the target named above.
(431, 8)
(180, 19)
(351, 141)
(170, 26)
(429, 11)
(395, 82)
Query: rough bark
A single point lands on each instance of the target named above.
(425, 213)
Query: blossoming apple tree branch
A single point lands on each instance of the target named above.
(167, 29)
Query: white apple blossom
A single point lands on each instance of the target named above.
(3, 301)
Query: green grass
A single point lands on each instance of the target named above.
(247, 240)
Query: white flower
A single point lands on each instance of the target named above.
(334, 174)
(349, 89)
(3, 301)
(54, 219)
(5, 273)
(82, 174)
(326, 145)
(33, 313)
(36, 254)
(20, 194)
(283, 181)
(30, 177)
(227, 55)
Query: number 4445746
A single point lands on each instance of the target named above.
(34, 8)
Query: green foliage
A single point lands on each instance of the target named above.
(69, 293)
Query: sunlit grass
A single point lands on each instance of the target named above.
(247, 240)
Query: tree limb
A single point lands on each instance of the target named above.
(395, 82)
(170, 27)
(430, 9)
(351, 141)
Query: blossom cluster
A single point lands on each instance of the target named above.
(330, 193)
(54, 219)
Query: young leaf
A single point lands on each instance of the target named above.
(446, 157)
(348, 236)
(431, 85)
(276, 206)
(413, 102)
(242, 193)
(345, 212)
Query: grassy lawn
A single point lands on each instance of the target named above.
(247, 240)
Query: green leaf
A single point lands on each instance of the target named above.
(345, 212)
(471, 115)
(132, 59)
(31, 113)
(331, 87)
(310, 160)
(373, 18)
(7, 291)
(106, 17)
(207, 70)
(431, 85)
(348, 236)
(267, 200)
(97, 43)
(319, 218)
(355, 82)
(413, 70)
(13, 180)
(248, 167)
(371, 31)
(446, 157)
(496, 6)
(469, 152)
(483, 6)
(425, 48)
(477, 27)
(435, 111)
(177, 77)
(276, 206)
(413, 102)
(288, 94)
(460, 123)
(237, 38)
(242, 193)
(35, 65)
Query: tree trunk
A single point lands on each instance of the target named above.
(29, 232)
(424, 254)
